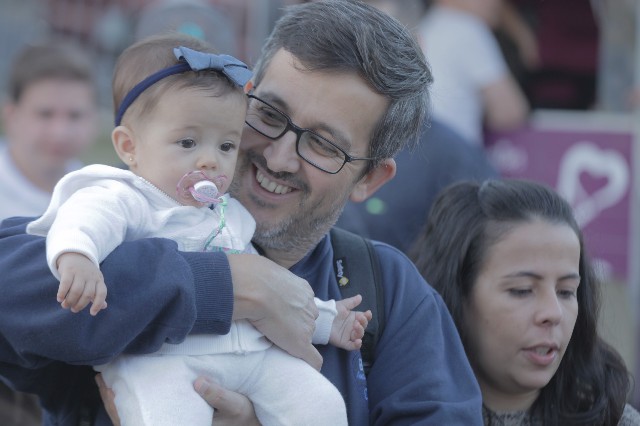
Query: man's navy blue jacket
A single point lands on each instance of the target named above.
(156, 293)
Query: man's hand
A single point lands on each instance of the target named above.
(231, 408)
(108, 399)
(277, 302)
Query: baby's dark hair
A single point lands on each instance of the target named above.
(153, 54)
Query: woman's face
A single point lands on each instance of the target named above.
(521, 312)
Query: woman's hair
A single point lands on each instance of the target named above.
(350, 36)
(152, 54)
(592, 383)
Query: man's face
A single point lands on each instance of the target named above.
(293, 202)
(53, 122)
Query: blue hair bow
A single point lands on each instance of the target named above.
(235, 70)
(190, 60)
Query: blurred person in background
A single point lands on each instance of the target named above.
(440, 157)
(617, 76)
(18, 409)
(556, 57)
(473, 86)
(396, 212)
(197, 18)
(50, 118)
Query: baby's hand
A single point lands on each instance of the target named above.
(348, 326)
(81, 282)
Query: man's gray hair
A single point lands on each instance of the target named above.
(351, 36)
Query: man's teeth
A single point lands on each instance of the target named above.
(270, 185)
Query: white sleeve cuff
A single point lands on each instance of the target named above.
(324, 322)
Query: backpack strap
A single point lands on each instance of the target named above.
(357, 270)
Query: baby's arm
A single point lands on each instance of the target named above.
(348, 326)
(81, 282)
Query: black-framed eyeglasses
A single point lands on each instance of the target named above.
(316, 150)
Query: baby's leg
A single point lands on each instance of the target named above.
(288, 391)
(156, 391)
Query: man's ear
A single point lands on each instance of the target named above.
(124, 144)
(373, 180)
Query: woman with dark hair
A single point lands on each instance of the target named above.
(508, 258)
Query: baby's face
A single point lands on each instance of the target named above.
(190, 130)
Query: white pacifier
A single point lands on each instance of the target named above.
(197, 186)
(205, 191)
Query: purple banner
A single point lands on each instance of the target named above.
(591, 169)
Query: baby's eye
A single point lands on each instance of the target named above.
(187, 143)
(227, 146)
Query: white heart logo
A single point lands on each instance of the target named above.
(586, 157)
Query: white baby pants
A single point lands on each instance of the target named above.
(157, 390)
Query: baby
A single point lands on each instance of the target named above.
(179, 120)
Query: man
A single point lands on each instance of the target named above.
(357, 80)
(50, 118)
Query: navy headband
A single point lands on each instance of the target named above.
(190, 60)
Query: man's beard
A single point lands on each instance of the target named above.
(301, 231)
